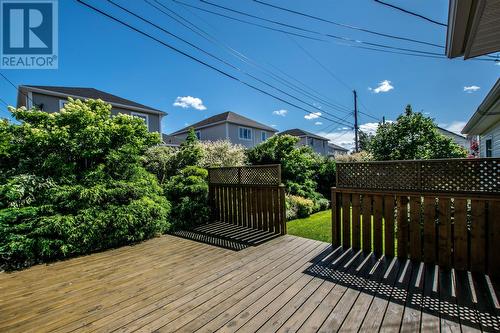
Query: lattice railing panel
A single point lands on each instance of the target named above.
(480, 175)
(250, 175)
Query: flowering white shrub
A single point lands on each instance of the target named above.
(222, 153)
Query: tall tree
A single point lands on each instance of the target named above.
(412, 136)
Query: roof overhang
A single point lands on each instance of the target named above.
(26, 89)
(486, 115)
(473, 28)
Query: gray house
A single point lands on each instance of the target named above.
(52, 99)
(485, 123)
(336, 150)
(227, 125)
(457, 138)
(318, 143)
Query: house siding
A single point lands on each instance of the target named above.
(492, 133)
(459, 140)
(319, 146)
(218, 132)
(50, 104)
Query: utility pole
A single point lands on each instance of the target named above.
(356, 142)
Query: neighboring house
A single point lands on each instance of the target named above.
(485, 123)
(228, 125)
(473, 28)
(318, 143)
(52, 99)
(457, 138)
(171, 141)
(336, 150)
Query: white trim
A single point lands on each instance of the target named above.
(250, 131)
(118, 105)
(141, 115)
(29, 100)
(62, 103)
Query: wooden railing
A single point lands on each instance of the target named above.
(251, 197)
(456, 228)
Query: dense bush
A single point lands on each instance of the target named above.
(72, 182)
(298, 164)
(325, 175)
(298, 207)
(362, 156)
(412, 136)
(188, 193)
(221, 153)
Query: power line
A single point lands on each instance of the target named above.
(15, 87)
(349, 26)
(319, 33)
(4, 102)
(410, 13)
(198, 60)
(219, 59)
(247, 22)
(238, 54)
(335, 104)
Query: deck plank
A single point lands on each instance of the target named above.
(288, 284)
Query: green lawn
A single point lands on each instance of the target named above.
(317, 226)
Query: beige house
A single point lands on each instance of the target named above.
(485, 123)
(52, 99)
(318, 143)
(228, 125)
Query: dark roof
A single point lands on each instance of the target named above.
(95, 94)
(337, 147)
(299, 132)
(229, 117)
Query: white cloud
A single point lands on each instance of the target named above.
(383, 87)
(189, 102)
(312, 115)
(280, 113)
(274, 126)
(455, 126)
(471, 89)
(318, 123)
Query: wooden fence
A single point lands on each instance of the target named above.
(440, 211)
(251, 197)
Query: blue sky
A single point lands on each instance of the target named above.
(97, 52)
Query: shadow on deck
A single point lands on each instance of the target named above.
(225, 235)
(439, 297)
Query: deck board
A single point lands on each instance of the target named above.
(287, 284)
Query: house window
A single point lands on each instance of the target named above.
(62, 103)
(310, 141)
(198, 135)
(263, 136)
(245, 133)
(142, 116)
(489, 148)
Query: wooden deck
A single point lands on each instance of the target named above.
(286, 284)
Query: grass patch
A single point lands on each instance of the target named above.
(317, 226)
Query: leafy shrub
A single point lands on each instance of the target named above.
(325, 175)
(73, 182)
(162, 161)
(221, 153)
(188, 193)
(298, 207)
(412, 136)
(320, 204)
(298, 164)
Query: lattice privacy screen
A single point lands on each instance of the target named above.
(250, 175)
(478, 175)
